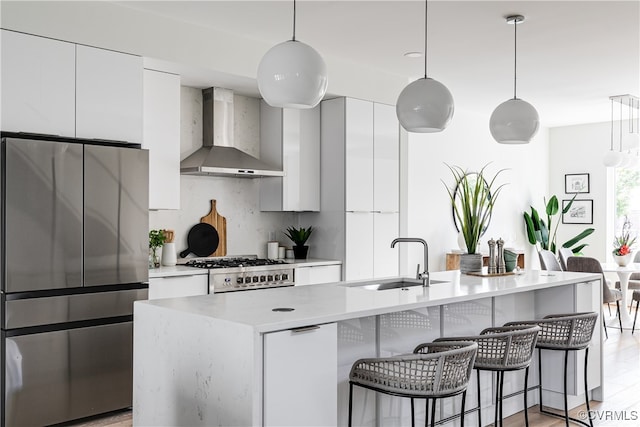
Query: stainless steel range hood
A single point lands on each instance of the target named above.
(218, 155)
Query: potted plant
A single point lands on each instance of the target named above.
(473, 199)
(622, 245)
(156, 240)
(299, 237)
(543, 234)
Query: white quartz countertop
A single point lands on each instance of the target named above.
(317, 304)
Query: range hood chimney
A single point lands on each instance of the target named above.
(218, 155)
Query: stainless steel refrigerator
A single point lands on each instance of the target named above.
(74, 257)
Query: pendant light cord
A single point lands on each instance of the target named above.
(515, 55)
(294, 21)
(425, 37)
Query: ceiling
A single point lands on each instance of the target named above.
(572, 55)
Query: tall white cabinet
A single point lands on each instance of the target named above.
(161, 136)
(360, 194)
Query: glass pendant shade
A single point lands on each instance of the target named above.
(292, 74)
(514, 122)
(425, 106)
(612, 159)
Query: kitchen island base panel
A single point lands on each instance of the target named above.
(232, 352)
(189, 372)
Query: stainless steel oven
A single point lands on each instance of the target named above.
(228, 274)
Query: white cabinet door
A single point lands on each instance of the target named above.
(161, 136)
(359, 246)
(318, 274)
(300, 372)
(290, 138)
(385, 258)
(38, 85)
(178, 286)
(386, 159)
(359, 156)
(108, 95)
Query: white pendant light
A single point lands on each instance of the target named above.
(612, 158)
(292, 74)
(425, 105)
(514, 121)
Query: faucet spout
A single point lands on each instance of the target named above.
(424, 276)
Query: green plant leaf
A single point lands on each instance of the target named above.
(552, 206)
(579, 237)
(531, 231)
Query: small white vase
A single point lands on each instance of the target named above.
(623, 260)
(169, 254)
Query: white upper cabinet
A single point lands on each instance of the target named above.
(359, 155)
(386, 159)
(290, 138)
(108, 95)
(161, 136)
(38, 85)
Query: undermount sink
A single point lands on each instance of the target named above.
(385, 285)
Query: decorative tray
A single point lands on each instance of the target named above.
(485, 274)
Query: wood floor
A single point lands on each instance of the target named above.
(622, 391)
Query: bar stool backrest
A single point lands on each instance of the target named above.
(571, 331)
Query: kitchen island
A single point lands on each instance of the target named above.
(282, 356)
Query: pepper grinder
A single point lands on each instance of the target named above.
(492, 257)
(501, 267)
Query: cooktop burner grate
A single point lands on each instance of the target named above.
(233, 262)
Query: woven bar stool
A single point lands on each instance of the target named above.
(502, 349)
(564, 332)
(443, 370)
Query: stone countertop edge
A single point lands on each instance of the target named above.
(334, 302)
(183, 270)
(176, 270)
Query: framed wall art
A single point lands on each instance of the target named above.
(575, 183)
(581, 212)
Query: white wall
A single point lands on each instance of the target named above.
(467, 143)
(580, 149)
(237, 198)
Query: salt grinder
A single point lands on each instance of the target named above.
(501, 267)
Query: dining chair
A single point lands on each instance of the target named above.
(563, 255)
(442, 370)
(548, 260)
(636, 298)
(583, 264)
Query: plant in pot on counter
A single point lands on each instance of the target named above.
(473, 199)
(299, 237)
(156, 240)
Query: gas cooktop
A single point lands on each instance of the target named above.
(232, 262)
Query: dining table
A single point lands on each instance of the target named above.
(624, 273)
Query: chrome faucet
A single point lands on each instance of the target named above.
(424, 276)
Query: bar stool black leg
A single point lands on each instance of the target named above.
(501, 394)
(350, 401)
(433, 412)
(526, 406)
(497, 408)
(426, 413)
(566, 403)
(586, 387)
(606, 335)
(464, 398)
(479, 402)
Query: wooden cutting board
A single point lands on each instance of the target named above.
(220, 224)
